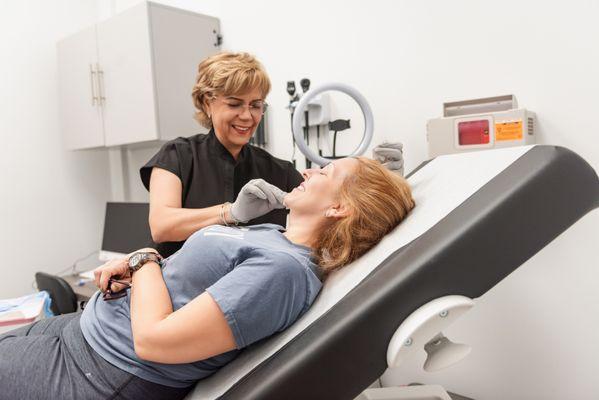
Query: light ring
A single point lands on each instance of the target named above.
(298, 116)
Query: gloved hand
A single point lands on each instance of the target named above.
(390, 155)
(256, 198)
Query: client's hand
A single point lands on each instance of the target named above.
(255, 199)
(117, 268)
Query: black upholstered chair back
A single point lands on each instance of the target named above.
(64, 300)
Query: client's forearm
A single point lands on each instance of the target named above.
(150, 304)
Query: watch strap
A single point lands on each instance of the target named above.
(146, 257)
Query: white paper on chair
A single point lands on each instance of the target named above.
(21, 310)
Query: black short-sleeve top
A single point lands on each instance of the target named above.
(210, 175)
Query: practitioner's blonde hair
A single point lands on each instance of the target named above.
(227, 74)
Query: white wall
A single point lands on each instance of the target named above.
(52, 202)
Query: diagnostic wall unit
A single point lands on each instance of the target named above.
(480, 124)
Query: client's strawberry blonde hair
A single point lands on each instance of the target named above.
(378, 200)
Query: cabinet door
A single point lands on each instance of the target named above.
(126, 80)
(181, 40)
(80, 111)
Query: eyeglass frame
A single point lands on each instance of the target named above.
(248, 105)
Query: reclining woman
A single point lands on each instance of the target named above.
(225, 289)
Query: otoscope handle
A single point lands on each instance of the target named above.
(291, 88)
(305, 84)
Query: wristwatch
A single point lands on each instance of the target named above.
(137, 260)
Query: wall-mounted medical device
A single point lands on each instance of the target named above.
(480, 124)
(320, 110)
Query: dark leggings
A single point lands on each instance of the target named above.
(50, 359)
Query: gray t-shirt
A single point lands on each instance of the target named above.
(261, 281)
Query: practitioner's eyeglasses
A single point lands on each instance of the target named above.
(109, 294)
(257, 107)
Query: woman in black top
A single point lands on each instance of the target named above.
(192, 180)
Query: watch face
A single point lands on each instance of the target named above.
(134, 260)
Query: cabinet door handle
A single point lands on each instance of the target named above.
(101, 97)
(92, 73)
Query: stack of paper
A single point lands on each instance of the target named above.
(23, 310)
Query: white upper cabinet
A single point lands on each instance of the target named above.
(129, 79)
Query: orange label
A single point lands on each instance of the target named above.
(511, 130)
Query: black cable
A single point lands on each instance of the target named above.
(305, 84)
(307, 137)
(73, 267)
(292, 98)
(334, 143)
(292, 137)
(318, 140)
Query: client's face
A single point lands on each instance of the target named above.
(320, 190)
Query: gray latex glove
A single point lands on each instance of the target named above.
(390, 155)
(256, 198)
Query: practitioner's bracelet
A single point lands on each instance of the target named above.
(222, 215)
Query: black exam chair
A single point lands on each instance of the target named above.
(478, 217)
(64, 300)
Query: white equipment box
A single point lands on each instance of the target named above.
(480, 124)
